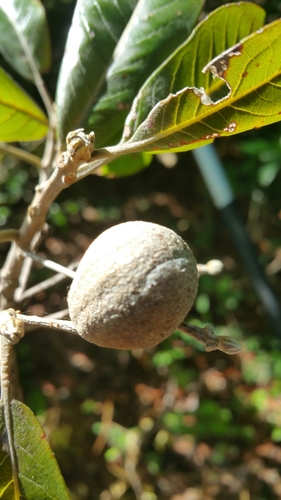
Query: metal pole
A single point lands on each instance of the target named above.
(220, 190)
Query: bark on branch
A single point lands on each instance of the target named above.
(80, 147)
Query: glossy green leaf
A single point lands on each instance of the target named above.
(189, 118)
(20, 118)
(23, 29)
(126, 165)
(156, 28)
(95, 31)
(39, 474)
(217, 32)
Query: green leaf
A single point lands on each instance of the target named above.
(95, 31)
(222, 29)
(39, 474)
(20, 118)
(126, 165)
(6, 477)
(189, 118)
(156, 28)
(23, 29)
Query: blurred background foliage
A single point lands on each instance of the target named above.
(173, 422)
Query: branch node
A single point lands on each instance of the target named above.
(79, 145)
(34, 211)
(38, 188)
(69, 178)
(11, 326)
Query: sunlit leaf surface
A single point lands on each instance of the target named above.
(146, 42)
(39, 474)
(95, 31)
(190, 118)
(6, 478)
(222, 29)
(20, 118)
(23, 29)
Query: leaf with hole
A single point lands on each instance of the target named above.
(146, 42)
(220, 30)
(189, 118)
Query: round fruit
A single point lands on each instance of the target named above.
(133, 287)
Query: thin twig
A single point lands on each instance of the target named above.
(21, 154)
(208, 338)
(43, 285)
(59, 314)
(8, 235)
(23, 278)
(104, 156)
(26, 268)
(49, 151)
(50, 264)
(55, 324)
(54, 316)
(38, 80)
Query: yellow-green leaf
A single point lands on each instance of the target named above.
(6, 478)
(189, 118)
(20, 118)
(218, 31)
(155, 29)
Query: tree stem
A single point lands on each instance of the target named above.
(6, 398)
(55, 324)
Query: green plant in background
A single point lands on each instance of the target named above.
(132, 72)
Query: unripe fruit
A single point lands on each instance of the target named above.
(133, 287)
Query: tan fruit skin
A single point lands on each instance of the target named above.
(135, 284)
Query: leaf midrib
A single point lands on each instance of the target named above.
(220, 104)
(17, 109)
(215, 107)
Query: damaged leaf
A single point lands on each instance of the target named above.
(190, 118)
(220, 30)
(146, 42)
